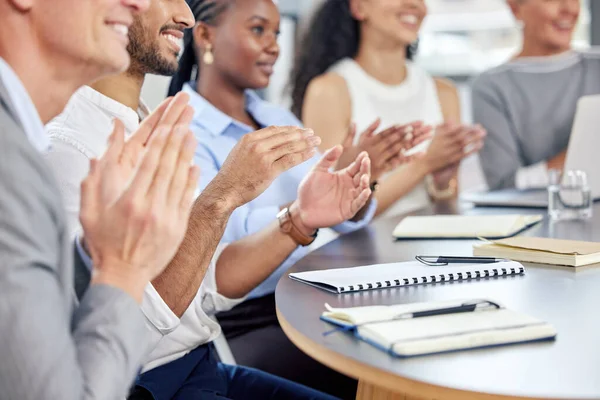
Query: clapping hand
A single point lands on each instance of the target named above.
(451, 144)
(327, 198)
(385, 149)
(135, 206)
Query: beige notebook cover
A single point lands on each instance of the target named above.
(541, 250)
(463, 226)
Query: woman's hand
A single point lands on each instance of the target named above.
(451, 144)
(386, 149)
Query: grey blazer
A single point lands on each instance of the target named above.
(51, 345)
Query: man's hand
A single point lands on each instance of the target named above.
(327, 198)
(132, 237)
(451, 144)
(261, 156)
(386, 149)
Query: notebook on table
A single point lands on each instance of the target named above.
(343, 280)
(542, 250)
(464, 226)
(409, 330)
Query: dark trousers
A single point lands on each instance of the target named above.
(256, 340)
(199, 376)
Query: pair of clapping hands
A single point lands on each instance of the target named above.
(137, 198)
(391, 147)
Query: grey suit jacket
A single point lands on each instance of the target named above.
(51, 345)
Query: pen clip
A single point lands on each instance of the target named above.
(426, 260)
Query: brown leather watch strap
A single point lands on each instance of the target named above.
(286, 224)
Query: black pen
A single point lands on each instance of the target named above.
(440, 311)
(445, 260)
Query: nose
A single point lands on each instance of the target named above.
(273, 47)
(571, 6)
(184, 15)
(137, 6)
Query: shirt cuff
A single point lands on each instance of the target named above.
(351, 226)
(85, 257)
(534, 176)
(212, 301)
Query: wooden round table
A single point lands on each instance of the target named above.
(568, 368)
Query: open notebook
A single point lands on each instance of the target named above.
(435, 327)
(377, 276)
(542, 250)
(463, 226)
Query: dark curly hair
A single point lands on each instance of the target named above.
(206, 11)
(333, 34)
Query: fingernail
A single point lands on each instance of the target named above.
(314, 140)
(409, 136)
(308, 133)
(190, 141)
(409, 129)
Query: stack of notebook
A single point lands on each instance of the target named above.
(426, 328)
(542, 250)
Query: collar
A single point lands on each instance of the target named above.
(216, 121)
(24, 108)
(130, 118)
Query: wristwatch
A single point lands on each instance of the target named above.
(287, 226)
(374, 186)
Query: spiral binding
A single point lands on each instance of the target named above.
(449, 277)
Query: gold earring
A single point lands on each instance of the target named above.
(208, 57)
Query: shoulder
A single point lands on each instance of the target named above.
(590, 56)
(492, 81)
(446, 88)
(327, 89)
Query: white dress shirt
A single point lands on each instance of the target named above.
(81, 133)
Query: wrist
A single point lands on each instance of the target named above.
(226, 196)
(296, 216)
(121, 275)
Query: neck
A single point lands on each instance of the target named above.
(382, 59)
(532, 49)
(222, 94)
(126, 88)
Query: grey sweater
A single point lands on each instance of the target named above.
(528, 107)
(53, 347)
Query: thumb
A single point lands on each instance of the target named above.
(329, 159)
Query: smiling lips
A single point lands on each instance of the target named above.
(174, 38)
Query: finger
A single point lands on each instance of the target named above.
(179, 183)
(295, 146)
(115, 144)
(360, 200)
(142, 135)
(349, 140)
(391, 152)
(149, 164)
(171, 155)
(420, 135)
(188, 195)
(356, 166)
(274, 131)
(282, 137)
(329, 159)
(291, 160)
(370, 131)
(174, 110)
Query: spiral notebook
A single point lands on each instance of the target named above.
(408, 330)
(343, 280)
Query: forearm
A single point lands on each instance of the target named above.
(179, 283)
(399, 184)
(244, 264)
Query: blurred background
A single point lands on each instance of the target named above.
(459, 39)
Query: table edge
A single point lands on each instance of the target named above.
(379, 377)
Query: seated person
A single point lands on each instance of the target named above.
(235, 43)
(179, 302)
(357, 55)
(528, 104)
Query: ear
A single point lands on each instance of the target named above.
(203, 35)
(22, 5)
(357, 9)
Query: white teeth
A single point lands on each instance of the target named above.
(409, 19)
(565, 25)
(120, 28)
(173, 39)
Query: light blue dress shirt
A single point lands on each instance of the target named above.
(217, 134)
(24, 107)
